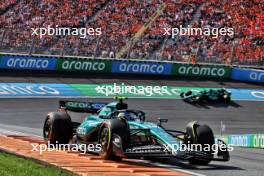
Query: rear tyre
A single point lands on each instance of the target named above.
(205, 137)
(182, 94)
(188, 93)
(58, 128)
(185, 94)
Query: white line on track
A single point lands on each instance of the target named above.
(13, 132)
(180, 170)
(168, 166)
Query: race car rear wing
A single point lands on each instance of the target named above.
(78, 106)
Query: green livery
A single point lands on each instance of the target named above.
(211, 95)
(125, 133)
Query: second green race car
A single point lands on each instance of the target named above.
(211, 95)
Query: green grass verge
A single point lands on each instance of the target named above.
(15, 166)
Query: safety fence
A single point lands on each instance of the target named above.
(90, 65)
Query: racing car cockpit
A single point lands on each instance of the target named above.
(113, 106)
(129, 115)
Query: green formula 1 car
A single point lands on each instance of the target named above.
(211, 95)
(125, 133)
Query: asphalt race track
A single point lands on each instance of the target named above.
(26, 116)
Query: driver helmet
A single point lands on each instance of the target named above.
(121, 115)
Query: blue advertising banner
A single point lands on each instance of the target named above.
(20, 90)
(141, 68)
(250, 75)
(247, 94)
(244, 140)
(28, 63)
(239, 140)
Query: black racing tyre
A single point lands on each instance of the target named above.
(105, 138)
(228, 99)
(58, 128)
(188, 93)
(204, 136)
(182, 94)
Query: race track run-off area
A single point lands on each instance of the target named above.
(25, 105)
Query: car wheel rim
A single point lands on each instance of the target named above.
(104, 139)
(47, 129)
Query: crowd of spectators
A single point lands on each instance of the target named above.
(121, 20)
(6, 3)
(16, 23)
(246, 45)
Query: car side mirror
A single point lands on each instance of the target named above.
(160, 121)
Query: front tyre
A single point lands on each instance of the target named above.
(108, 133)
(227, 98)
(105, 141)
(205, 137)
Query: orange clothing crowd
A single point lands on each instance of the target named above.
(121, 20)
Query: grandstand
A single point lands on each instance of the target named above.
(121, 21)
